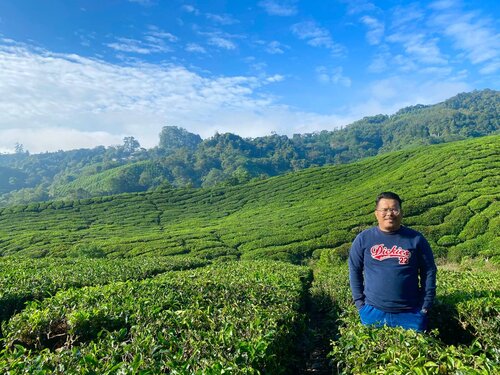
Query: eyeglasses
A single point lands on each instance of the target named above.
(385, 211)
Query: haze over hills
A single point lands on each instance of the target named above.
(183, 159)
(450, 191)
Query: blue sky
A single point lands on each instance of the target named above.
(84, 73)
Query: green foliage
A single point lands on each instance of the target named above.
(64, 310)
(86, 251)
(23, 280)
(464, 339)
(238, 318)
(289, 217)
(11, 179)
(138, 176)
(365, 350)
(468, 309)
(173, 138)
(334, 257)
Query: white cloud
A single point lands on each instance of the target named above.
(55, 101)
(276, 48)
(282, 8)
(437, 71)
(194, 47)
(412, 45)
(144, 2)
(470, 32)
(490, 68)
(222, 19)
(86, 38)
(380, 62)
(405, 64)
(359, 6)
(281, 120)
(257, 66)
(190, 9)
(275, 78)
(316, 36)
(154, 41)
(160, 34)
(52, 139)
(376, 30)
(407, 16)
(333, 76)
(423, 50)
(221, 42)
(391, 94)
(443, 4)
(134, 46)
(221, 39)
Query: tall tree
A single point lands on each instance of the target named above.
(130, 144)
(19, 148)
(173, 138)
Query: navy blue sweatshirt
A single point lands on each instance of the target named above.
(392, 271)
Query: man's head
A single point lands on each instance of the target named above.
(388, 211)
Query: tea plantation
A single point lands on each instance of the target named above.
(221, 280)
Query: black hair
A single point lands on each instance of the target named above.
(388, 195)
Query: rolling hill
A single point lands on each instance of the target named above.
(450, 193)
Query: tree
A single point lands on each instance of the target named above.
(78, 193)
(213, 178)
(173, 138)
(125, 182)
(130, 144)
(19, 148)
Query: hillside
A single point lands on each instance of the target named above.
(146, 282)
(450, 191)
(183, 159)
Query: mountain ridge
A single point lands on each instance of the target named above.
(183, 159)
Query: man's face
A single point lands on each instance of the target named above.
(388, 214)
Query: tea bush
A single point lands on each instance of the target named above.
(467, 309)
(235, 317)
(23, 280)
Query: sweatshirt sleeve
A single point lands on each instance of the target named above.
(428, 272)
(356, 260)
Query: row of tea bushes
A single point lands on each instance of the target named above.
(468, 309)
(233, 317)
(23, 280)
(466, 301)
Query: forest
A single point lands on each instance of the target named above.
(182, 159)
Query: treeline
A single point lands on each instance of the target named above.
(183, 159)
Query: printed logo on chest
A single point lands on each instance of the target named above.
(380, 252)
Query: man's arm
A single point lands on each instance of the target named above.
(356, 259)
(428, 271)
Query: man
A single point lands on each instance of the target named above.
(392, 271)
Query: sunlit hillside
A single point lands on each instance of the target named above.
(450, 193)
